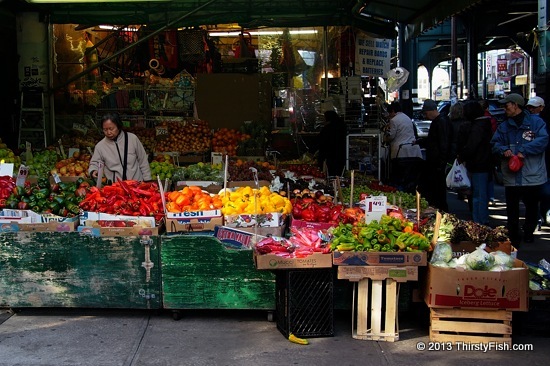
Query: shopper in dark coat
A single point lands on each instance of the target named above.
(438, 145)
(332, 144)
(474, 150)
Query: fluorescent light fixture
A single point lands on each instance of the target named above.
(91, 1)
(490, 41)
(260, 33)
(113, 27)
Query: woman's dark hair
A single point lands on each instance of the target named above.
(394, 107)
(331, 116)
(473, 110)
(114, 117)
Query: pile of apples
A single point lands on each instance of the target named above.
(190, 136)
(75, 166)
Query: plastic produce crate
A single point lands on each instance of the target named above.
(305, 302)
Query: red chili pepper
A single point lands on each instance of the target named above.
(125, 187)
(143, 192)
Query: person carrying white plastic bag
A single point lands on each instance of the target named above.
(458, 176)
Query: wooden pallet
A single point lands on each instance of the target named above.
(372, 318)
(475, 326)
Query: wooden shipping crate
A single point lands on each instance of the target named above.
(470, 326)
(373, 319)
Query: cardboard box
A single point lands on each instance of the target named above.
(121, 231)
(88, 218)
(194, 214)
(236, 238)
(398, 274)
(208, 186)
(247, 183)
(467, 247)
(262, 220)
(27, 220)
(265, 231)
(380, 258)
(8, 216)
(188, 225)
(454, 288)
(273, 262)
(299, 224)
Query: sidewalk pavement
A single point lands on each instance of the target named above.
(118, 337)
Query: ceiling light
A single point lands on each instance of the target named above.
(260, 33)
(490, 41)
(91, 1)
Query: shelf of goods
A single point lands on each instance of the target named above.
(171, 98)
(363, 152)
(50, 269)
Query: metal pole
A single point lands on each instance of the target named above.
(454, 68)
(139, 41)
(325, 60)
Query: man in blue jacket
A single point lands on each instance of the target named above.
(525, 135)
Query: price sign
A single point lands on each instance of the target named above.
(22, 175)
(80, 128)
(161, 132)
(375, 207)
(56, 178)
(6, 169)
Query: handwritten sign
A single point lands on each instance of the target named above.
(372, 55)
(161, 132)
(375, 207)
(22, 175)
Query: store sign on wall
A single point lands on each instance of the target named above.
(372, 56)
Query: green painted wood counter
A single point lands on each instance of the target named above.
(76, 270)
(199, 272)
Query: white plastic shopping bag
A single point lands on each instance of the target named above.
(458, 176)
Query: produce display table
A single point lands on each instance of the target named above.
(41, 269)
(200, 272)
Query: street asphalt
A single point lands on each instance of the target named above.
(109, 337)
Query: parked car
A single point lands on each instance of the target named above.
(495, 108)
(421, 124)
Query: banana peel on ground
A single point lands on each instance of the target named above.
(294, 339)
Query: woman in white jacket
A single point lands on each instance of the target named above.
(120, 153)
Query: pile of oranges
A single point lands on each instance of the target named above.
(226, 140)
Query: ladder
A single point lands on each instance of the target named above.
(32, 118)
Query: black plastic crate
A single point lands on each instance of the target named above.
(305, 302)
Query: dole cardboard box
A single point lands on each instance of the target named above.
(482, 290)
(250, 220)
(379, 273)
(348, 258)
(272, 261)
(236, 238)
(189, 225)
(299, 224)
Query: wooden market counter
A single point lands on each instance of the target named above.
(76, 270)
(43, 269)
(176, 272)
